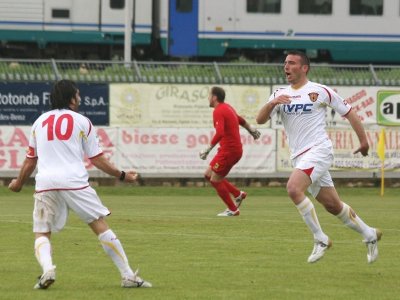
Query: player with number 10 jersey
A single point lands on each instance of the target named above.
(60, 165)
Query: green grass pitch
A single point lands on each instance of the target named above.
(175, 238)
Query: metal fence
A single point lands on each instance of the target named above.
(12, 70)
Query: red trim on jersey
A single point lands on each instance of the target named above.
(302, 152)
(90, 125)
(100, 154)
(62, 189)
(31, 153)
(329, 94)
(90, 128)
(308, 171)
(347, 112)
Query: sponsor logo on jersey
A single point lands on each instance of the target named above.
(313, 96)
(298, 109)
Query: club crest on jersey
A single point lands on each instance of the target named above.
(216, 166)
(313, 96)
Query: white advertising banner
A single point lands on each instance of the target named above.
(13, 146)
(345, 142)
(154, 152)
(177, 105)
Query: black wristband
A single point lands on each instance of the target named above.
(122, 177)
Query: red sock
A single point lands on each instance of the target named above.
(224, 194)
(231, 188)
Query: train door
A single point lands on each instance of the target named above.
(183, 27)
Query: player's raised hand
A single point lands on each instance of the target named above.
(282, 99)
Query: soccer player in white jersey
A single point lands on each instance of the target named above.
(302, 106)
(58, 142)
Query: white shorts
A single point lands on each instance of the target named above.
(316, 163)
(51, 208)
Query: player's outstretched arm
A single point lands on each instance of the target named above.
(360, 131)
(27, 169)
(252, 130)
(204, 153)
(103, 164)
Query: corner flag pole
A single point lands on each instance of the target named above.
(381, 153)
(382, 178)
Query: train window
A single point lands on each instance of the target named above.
(60, 13)
(316, 7)
(184, 6)
(263, 6)
(117, 4)
(366, 7)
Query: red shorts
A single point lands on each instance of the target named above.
(223, 162)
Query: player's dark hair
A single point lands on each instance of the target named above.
(62, 93)
(304, 58)
(219, 93)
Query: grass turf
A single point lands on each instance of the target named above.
(175, 238)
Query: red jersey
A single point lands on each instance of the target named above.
(226, 124)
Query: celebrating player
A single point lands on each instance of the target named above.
(226, 123)
(58, 142)
(302, 106)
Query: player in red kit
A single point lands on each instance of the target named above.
(226, 123)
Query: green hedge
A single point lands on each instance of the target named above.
(232, 73)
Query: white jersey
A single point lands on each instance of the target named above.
(304, 117)
(59, 139)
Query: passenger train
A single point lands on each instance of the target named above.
(356, 31)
